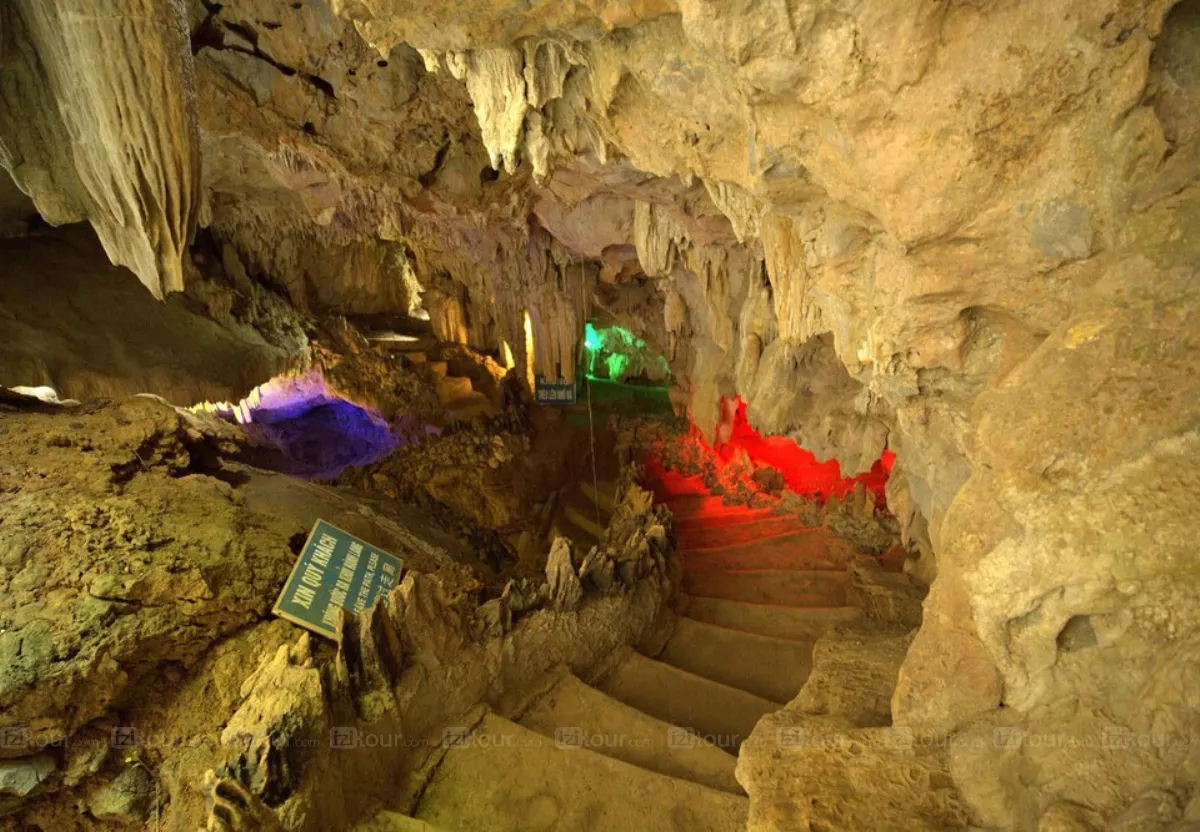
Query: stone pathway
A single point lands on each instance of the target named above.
(652, 744)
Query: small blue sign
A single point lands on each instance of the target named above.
(554, 392)
(335, 571)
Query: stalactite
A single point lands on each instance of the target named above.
(98, 121)
(496, 81)
(799, 316)
(742, 210)
(657, 236)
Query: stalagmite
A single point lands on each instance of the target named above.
(565, 589)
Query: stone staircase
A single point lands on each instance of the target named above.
(583, 513)
(651, 743)
(458, 396)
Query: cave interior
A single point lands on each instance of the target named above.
(684, 415)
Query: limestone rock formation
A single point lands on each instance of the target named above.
(116, 145)
(89, 330)
(962, 231)
(133, 546)
(565, 589)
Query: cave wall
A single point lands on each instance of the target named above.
(963, 230)
(117, 144)
(943, 227)
(90, 330)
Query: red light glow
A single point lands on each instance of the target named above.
(802, 471)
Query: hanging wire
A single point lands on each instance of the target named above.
(591, 423)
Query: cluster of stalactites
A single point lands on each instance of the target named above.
(98, 122)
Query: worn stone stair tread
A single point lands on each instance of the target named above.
(387, 821)
(508, 778)
(719, 712)
(804, 550)
(800, 623)
(584, 516)
(438, 368)
(606, 495)
(400, 343)
(773, 668)
(573, 711)
(468, 407)
(770, 527)
(471, 397)
(709, 512)
(789, 588)
(454, 387)
(563, 527)
(733, 533)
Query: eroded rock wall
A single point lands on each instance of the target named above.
(922, 224)
(115, 143)
(963, 230)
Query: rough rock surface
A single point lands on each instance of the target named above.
(966, 230)
(831, 759)
(130, 551)
(90, 331)
(117, 145)
(139, 564)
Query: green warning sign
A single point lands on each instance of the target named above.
(335, 571)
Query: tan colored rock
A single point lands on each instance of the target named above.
(854, 669)
(136, 176)
(90, 330)
(809, 772)
(964, 232)
(887, 597)
(565, 590)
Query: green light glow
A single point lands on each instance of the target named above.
(617, 364)
(591, 338)
(615, 346)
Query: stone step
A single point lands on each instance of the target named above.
(395, 822)
(716, 536)
(807, 550)
(583, 515)
(416, 357)
(582, 539)
(788, 588)
(694, 512)
(438, 368)
(468, 407)
(606, 494)
(772, 668)
(452, 388)
(504, 777)
(725, 716)
(799, 623)
(576, 714)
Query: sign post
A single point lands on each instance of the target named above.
(335, 571)
(554, 392)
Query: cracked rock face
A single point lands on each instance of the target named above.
(127, 548)
(963, 231)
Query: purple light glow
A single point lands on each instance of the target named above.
(325, 440)
(289, 397)
(320, 433)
